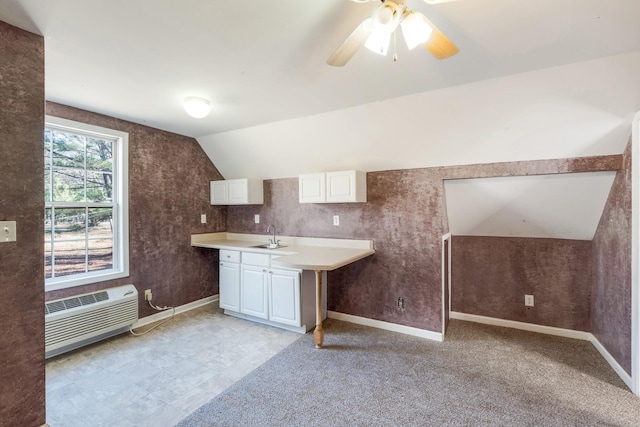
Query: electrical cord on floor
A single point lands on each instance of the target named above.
(155, 307)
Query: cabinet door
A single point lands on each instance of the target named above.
(219, 193)
(347, 186)
(253, 291)
(229, 279)
(238, 191)
(284, 297)
(311, 188)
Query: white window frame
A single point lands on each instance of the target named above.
(120, 266)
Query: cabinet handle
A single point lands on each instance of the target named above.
(264, 271)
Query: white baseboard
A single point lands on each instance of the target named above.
(613, 363)
(181, 309)
(549, 330)
(387, 326)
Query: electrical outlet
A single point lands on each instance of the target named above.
(148, 295)
(203, 218)
(528, 300)
(401, 303)
(336, 220)
(256, 219)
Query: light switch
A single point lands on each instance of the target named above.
(7, 231)
(336, 220)
(203, 218)
(256, 219)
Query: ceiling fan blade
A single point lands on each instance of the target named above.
(350, 46)
(439, 45)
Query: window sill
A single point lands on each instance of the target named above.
(83, 279)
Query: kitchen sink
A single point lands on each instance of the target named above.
(269, 246)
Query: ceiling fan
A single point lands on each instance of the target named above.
(375, 32)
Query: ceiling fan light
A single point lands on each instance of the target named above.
(378, 42)
(197, 107)
(415, 29)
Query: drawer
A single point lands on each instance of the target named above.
(251, 258)
(229, 256)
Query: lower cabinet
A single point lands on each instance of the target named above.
(251, 289)
(284, 297)
(253, 293)
(229, 279)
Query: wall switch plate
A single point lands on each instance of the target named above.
(7, 231)
(256, 219)
(528, 300)
(203, 218)
(336, 220)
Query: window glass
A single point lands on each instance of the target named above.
(85, 218)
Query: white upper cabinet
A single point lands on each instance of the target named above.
(311, 188)
(237, 192)
(219, 192)
(333, 187)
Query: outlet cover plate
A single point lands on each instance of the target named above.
(528, 300)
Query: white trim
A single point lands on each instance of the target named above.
(387, 326)
(635, 255)
(121, 209)
(613, 363)
(448, 276)
(549, 330)
(181, 309)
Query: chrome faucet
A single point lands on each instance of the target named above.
(274, 241)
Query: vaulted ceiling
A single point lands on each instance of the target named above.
(533, 80)
(264, 61)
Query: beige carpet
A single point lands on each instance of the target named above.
(480, 376)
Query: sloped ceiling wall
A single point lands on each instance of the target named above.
(582, 109)
(564, 206)
(575, 110)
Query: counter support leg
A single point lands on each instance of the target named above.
(318, 333)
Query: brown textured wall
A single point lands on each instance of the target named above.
(611, 300)
(169, 178)
(406, 217)
(402, 216)
(22, 390)
(491, 275)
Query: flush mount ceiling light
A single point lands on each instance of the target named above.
(197, 107)
(375, 32)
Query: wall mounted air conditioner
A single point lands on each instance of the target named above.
(84, 319)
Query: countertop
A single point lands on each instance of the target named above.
(306, 253)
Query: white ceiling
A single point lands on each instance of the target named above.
(566, 206)
(534, 79)
(264, 61)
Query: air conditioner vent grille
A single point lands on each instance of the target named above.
(56, 306)
(66, 304)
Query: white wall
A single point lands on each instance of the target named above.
(575, 110)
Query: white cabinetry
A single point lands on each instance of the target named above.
(312, 188)
(229, 280)
(275, 296)
(237, 192)
(284, 297)
(254, 285)
(254, 291)
(333, 187)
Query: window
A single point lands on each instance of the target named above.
(86, 215)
